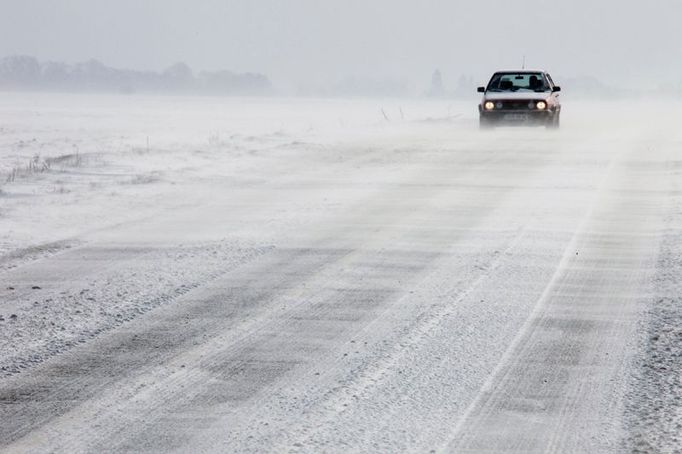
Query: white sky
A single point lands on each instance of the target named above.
(293, 41)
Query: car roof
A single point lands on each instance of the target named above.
(521, 71)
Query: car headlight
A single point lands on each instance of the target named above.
(541, 105)
(489, 105)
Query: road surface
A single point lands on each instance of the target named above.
(438, 289)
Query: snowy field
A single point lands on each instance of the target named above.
(303, 275)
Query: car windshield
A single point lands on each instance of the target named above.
(512, 82)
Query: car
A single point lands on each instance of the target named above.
(521, 97)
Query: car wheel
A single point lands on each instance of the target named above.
(485, 124)
(555, 122)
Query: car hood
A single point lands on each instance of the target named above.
(509, 96)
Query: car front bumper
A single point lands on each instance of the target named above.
(518, 116)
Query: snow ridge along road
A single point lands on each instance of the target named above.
(417, 286)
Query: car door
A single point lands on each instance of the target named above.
(555, 94)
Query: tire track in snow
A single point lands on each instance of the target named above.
(560, 386)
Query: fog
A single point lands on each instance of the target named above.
(307, 42)
(296, 226)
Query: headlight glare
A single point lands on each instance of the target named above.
(542, 105)
(489, 105)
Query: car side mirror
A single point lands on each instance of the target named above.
(555, 89)
(481, 89)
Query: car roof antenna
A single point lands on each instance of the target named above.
(523, 65)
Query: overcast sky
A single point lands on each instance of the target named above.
(296, 41)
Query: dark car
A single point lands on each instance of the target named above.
(522, 97)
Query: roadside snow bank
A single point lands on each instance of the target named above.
(43, 323)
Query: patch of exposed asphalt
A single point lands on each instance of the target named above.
(654, 408)
(53, 323)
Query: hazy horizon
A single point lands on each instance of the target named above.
(308, 42)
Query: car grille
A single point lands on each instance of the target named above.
(517, 105)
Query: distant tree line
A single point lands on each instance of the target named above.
(465, 88)
(27, 73)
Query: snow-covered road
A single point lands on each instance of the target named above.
(356, 285)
